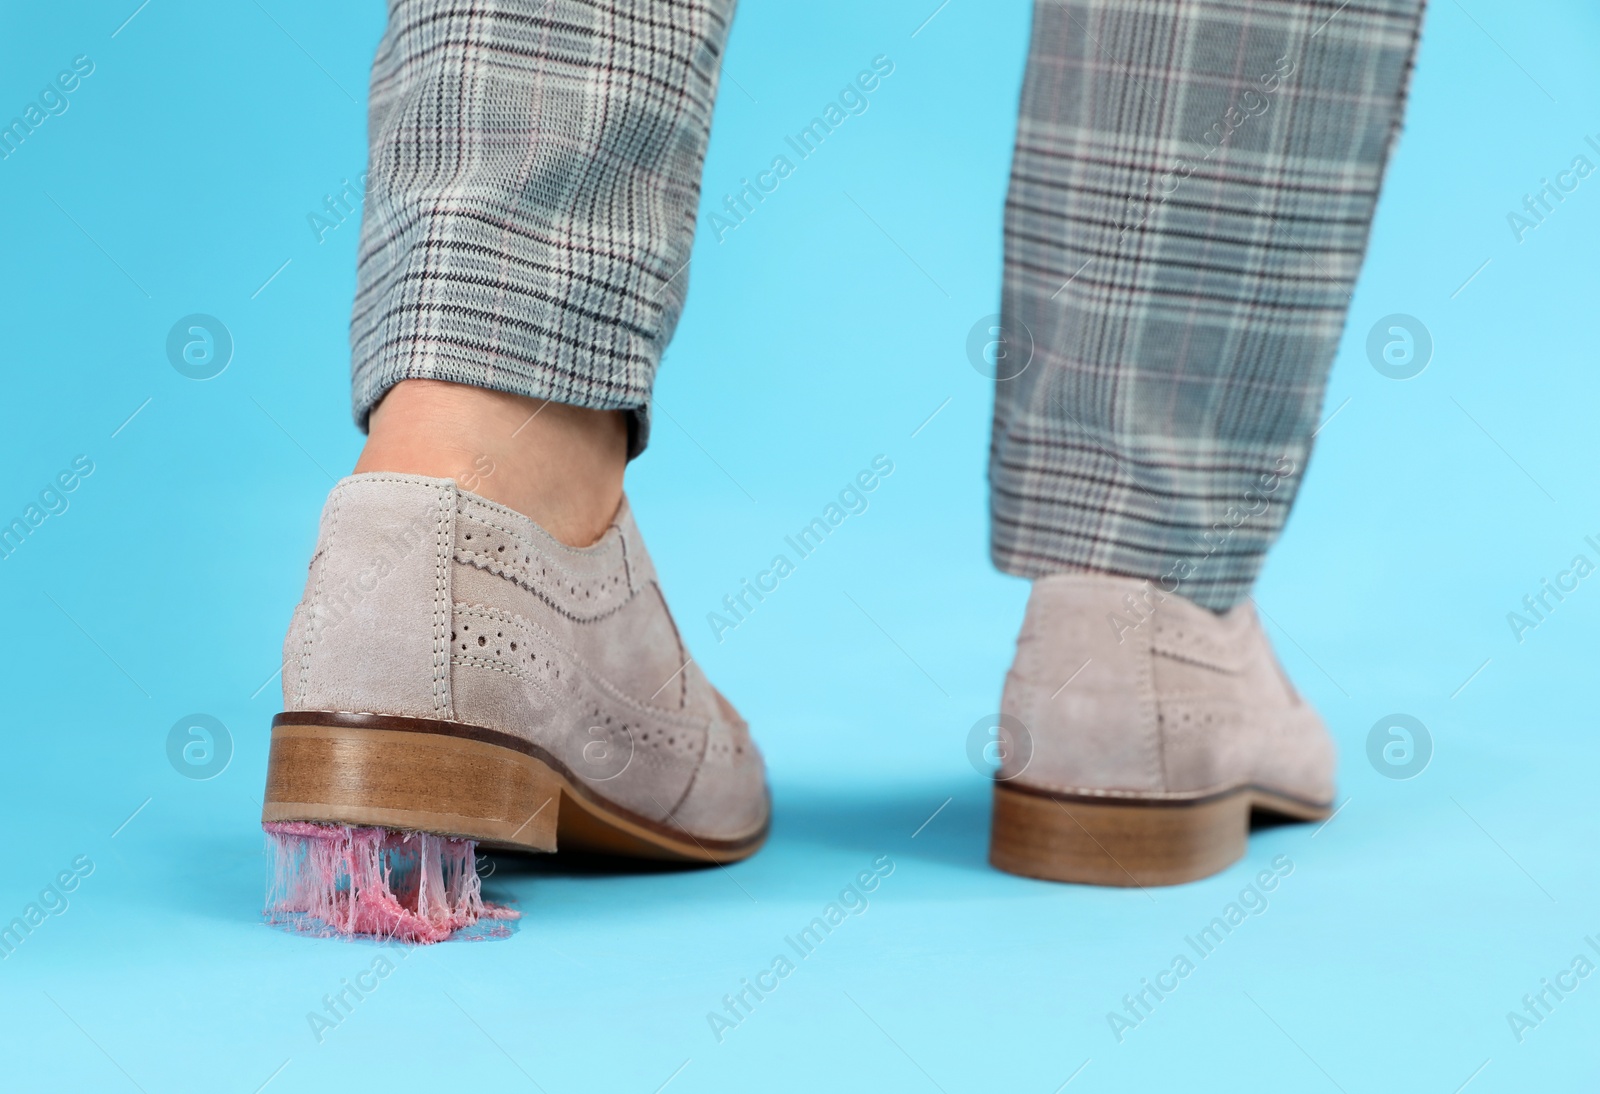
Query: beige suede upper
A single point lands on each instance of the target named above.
(1166, 699)
(429, 602)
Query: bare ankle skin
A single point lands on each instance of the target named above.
(559, 465)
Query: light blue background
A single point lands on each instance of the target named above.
(181, 178)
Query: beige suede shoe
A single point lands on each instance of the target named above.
(1138, 733)
(453, 669)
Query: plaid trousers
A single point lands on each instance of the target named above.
(1191, 194)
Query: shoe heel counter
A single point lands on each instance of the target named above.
(1081, 687)
(372, 631)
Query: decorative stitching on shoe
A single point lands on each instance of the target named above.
(548, 642)
(694, 776)
(336, 500)
(508, 669)
(601, 557)
(1189, 717)
(473, 501)
(597, 553)
(524, 580)
(584, 584)
(633, 572)
(685, 661)
(1185, 643)
(666, 733)
(1152, 743)
(1149, 795)
(444, 540)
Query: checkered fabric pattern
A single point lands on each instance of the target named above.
(1191, 194)
(1190, 199)
(534, 175)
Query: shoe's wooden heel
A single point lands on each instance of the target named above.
(1108, 842)
(425, 782)
(453, 779)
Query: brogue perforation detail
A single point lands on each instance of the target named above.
(534, 660)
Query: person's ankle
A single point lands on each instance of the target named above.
(559, 465)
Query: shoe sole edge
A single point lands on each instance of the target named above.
(459, 780)
(1128, 842)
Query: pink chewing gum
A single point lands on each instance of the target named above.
(407, 886)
